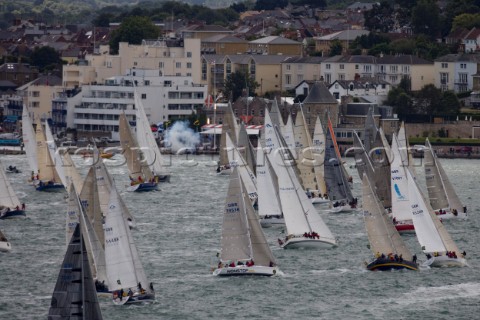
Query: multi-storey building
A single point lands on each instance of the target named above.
(98, 106)
(265, 69)
(297, 69)
(456, 71)
(171, 57)
(392, 69)
(347, 67)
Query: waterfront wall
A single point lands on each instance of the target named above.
(456, 129)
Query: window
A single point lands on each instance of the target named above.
(147, 82)
(393, 69)
(189, 65)
(444, 65)
(328, 66)
(189, 54)
(356, 67)
(160, 64)
(463, 66)
(178, 65)
(443, 78)
(144, 96)
(342, 66)
(288, 79)
(463, 78)
(288, 67)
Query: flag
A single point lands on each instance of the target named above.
(209, 102)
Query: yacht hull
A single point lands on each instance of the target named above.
(246, 271)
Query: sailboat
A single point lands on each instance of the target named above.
(336, 178)
(104, 186)
(28, 137)
(385, 242)
(318, 155)
(401, 211)
(229, 126)
(47, 178)
(10, 206)
(245, 250)
(126, 276)
(269, 207)
(436, 242)
(148, 144)
(74, 296)
(308, 167)
(443, 198)
(5, 245)
(140, 174)
(236, 159)
(305, 227)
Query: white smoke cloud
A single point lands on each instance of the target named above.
(180, 137)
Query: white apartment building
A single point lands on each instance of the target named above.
(295, 70)
(347, 67)
(455, 71)
(98, 106)
(172, 57)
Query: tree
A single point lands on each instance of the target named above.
(45, 58)
(428, 100)
(380, 18)
(103, 20)
(449, 104)
(426, 18)
(133, 30)
(237, 82)
(336, 48)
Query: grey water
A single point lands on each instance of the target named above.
(178, 235)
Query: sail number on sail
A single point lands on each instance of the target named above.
(416, 210)
(232, 207)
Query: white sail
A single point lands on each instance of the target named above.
(124, 269)
(300, 215)
(236, 160)
(131, 150)
(382, 235)
(425, 228)
(29, 142)
(71, 172)
(73, 214)
(89, 198)
(288, 135)
(55, 155)
(245, 147)
(235, 234)
(8, 197)
(268, 201)
(401, 208)
(146, 140)
(105, 185)
(441, 193)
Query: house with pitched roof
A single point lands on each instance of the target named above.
(323, 43)
(369, 89)
(275, 45)
(342, 67)
(456, 71)
(297, 69)
(224, 44)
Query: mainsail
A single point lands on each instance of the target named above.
(146, 141)
(382, 235)
(8, 197)
(75, 296)
(124, 269)
(430, 231)
(267, 186)
(29, 142)
(441, 193)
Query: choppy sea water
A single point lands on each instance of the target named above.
(178, 235)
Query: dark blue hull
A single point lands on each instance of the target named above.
(387, 264)
(13, 214)
(147, 186)
(54, 187)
